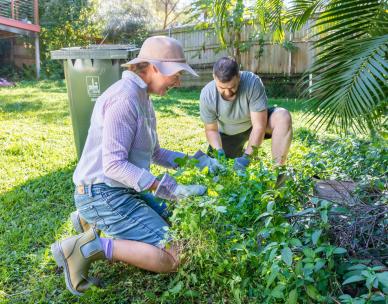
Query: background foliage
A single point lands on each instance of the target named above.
(64, 24)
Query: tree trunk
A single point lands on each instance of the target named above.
(165, 15)
(237, 51)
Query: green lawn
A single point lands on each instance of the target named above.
(37, 158)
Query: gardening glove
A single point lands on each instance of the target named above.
(206, 161)
(169, 189)
(221, 153)
(241, 163)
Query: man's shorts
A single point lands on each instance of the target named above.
(233, 145)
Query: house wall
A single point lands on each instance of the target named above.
(17, 51)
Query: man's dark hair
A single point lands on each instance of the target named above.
(225, 69)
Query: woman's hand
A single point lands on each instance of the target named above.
(169, 189)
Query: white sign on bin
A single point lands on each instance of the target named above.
(93, 87)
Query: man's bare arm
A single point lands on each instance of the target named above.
(259, 125)
(213, 136)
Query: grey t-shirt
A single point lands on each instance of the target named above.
(234, 116)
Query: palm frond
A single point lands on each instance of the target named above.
(271, 17)
(350, 68)
(302, 11)
(220, 9)
(351, 81)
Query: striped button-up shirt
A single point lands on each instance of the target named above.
(122, 139)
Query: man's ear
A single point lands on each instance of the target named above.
(214, 76)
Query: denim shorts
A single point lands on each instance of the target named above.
(125, 214)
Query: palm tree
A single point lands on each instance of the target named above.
(349, 74)
(350, 69)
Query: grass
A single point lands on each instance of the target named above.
(37, 159)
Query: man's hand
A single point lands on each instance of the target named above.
(169, 189)
(221, 153)
(206, 161)
(241, 163)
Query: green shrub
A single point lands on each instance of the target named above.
(280, 86)
(251, 243)
(14, 73)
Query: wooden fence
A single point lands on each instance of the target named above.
(202, 49)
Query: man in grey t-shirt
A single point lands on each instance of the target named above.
(234, 109)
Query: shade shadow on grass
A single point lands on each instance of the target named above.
(20, 106)
(53, 116)
(47, 114)
(30, 216)
(53, 86)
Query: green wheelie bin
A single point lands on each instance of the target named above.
(89, 71)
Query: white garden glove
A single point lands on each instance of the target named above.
(169, 189)
(206, 161)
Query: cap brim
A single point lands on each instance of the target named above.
(133, 61)
(167, 68)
